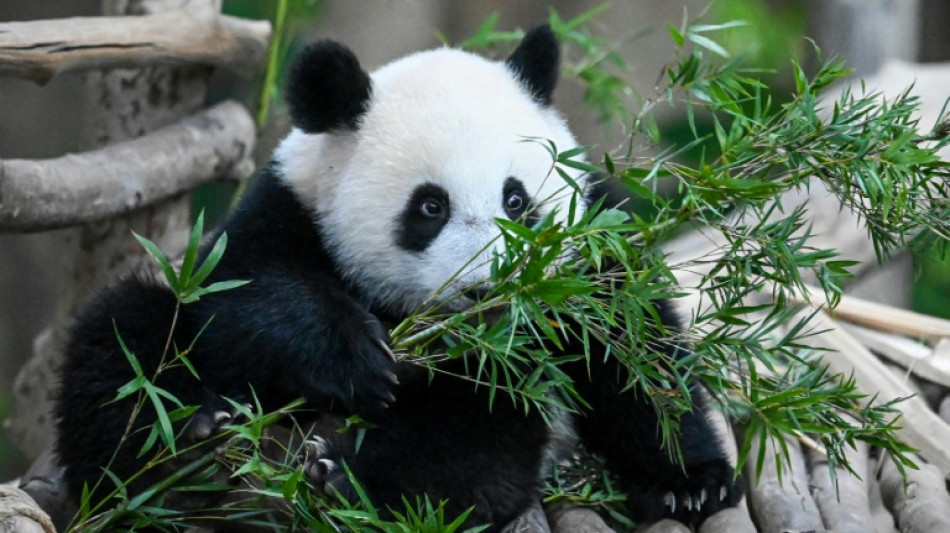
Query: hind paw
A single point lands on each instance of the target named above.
(213, 418)
(705, 489)
(323, 466)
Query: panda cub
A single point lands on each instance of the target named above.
(388, 185)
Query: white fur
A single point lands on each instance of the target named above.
(446, 117)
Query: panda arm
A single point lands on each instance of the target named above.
(292, 335)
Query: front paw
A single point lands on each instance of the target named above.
(351, 366)
(689, 497)
(370, 372)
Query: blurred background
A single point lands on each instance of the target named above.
(40, 122)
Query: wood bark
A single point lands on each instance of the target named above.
(196, 34)
(121, 177)
(20, 514)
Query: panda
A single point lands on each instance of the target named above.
(387, 186)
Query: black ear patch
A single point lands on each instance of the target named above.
(536, 62)
(327, 89)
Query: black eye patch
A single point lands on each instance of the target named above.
(517, 203)
(423, 217)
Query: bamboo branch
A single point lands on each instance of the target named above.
(921, 427)
(39, 50)
(79, 188)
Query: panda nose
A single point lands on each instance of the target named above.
(477, 292)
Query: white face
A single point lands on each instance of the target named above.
(408, 201)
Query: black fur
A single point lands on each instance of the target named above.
(414, 230)
(536, 62)
(298, 330)
(528, 208)
(326, 89)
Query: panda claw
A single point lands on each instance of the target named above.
(385, 348)
(702, 496)
(392, 378)
(317, 446)
(327, 465)
(670, 499)
(723, 492)
(220, 417)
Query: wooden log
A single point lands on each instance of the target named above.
(921, 427)
(532, 520)
(923, 506)
(732, 520)
(81, 188)
(944, 409)
(845, 508)
(780, 499)
(664, 526)
(196, 34)
(571, 519)
(20, 514)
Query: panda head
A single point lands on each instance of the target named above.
(407, 169)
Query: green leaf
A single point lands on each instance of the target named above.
(210, 262)
(708, 44)
(191, 251)
(159, 257)
(676, 35)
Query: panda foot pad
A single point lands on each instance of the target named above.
(322, 466)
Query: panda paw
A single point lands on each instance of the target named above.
(323, 466)
(366, 381)
(707, 488)
(213, 418)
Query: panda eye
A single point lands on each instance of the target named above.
(431, 208)
(514, 202)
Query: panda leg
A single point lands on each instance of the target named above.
(624, 428)
(439, 440)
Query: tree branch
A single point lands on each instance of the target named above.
(39, 50)
(80, 188)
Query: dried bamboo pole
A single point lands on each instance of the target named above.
(81, 188)
(922, 361)
(197, 33)
(883, 317)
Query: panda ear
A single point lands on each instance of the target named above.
(536, 62)
(327, 89)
